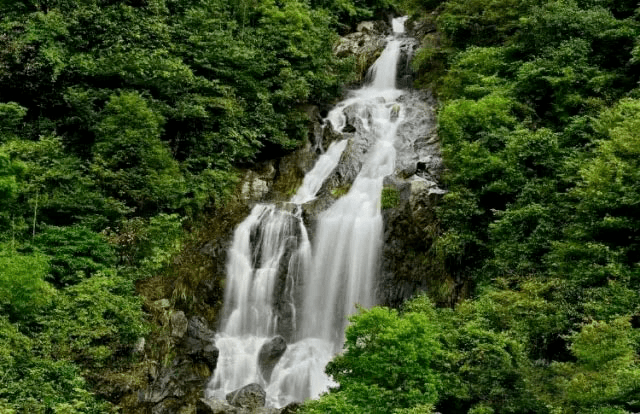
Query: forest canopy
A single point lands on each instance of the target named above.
(539, 126)
(121, 121)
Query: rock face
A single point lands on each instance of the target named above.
(182, 380)
(206, 406)
(410, 226)
(199, 343)
(365, 44)
(270, 354)
(249, 397)
(179, 324)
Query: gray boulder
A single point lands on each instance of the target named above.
(250, 397)
(207, 406)
(199, 329)
(201, 350)
(199, 343)
(179, 324)
(269, 355)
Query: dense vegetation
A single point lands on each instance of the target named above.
(121, 121)
(540, 129)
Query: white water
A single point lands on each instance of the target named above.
(271, 256)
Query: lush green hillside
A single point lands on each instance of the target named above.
(123, 121)
(540, 129)
(120, 122)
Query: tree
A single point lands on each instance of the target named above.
(386, 365)
(23, 289)
(129, 157)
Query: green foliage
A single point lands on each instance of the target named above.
(76, 253)
(106, 319)
(39, 385)
(386, 365)
(539, 133)
(62, 185)
(390, 198)
(23, 289)
(146, 246)
(130, 158)
(606, 375)
(8, 183)
(11, 115)
(119, 122)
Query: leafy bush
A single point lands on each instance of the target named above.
(75, 252)
(389, 198)
(386, 365)
(23, 289)
(95, 320)
(39, 385)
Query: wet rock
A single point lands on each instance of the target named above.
(266, 410)
(165, 386)
(253, 187)
(162, 303)
(199, 343)
(329, 135)
(270, 354)
(291, 408)
(179, 384)
(395, 113)
(210, 406)
(198, 328)
(249, 397)
(377, 27)
(405, 74)
(366, 44)
(179, 324)
(138, 348)
(203, 351)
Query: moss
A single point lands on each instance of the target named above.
(390, 198)
(340, 191)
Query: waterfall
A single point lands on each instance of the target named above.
(279, 283)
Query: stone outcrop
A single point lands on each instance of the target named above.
(408, 266)
(209, 406)
(365, 44)
(249, 397)
(179, 324)
(172, 386)
(270, 354)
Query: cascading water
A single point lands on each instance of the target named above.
(277, 284)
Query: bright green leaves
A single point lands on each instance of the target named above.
(542, 146)
(386, 366)
(124, 119)
(481, 22)
(606, 375)
(37, 385)
(11, 116)
(610, 180)
(131, 160)
(602, 244)
(23, 289)
(107, 318)
(76, 253)
(8, 183)
(475, 73)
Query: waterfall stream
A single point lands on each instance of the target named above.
(280, 283)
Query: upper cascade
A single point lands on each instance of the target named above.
(279, 282)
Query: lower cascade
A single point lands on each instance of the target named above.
(287, 297)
